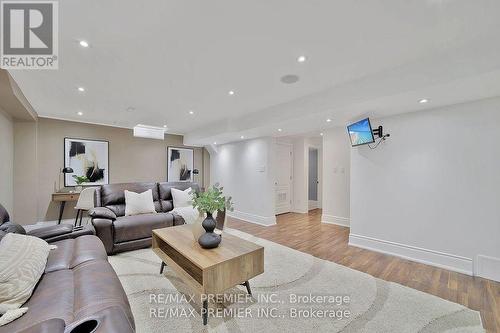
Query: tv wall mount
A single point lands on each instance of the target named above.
(379, 132)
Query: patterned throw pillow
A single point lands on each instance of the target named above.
(22, 263)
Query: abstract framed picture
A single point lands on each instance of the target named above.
(88, 158)
(180, 164)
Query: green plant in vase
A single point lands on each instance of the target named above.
(208, 202)
(79, 180)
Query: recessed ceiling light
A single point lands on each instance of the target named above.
(301, 58)
(242, 137)
(80, 113)
(81, 89)
(321, 134)
(84, 43)
(231, 92)
(164, 126)
(191, 112)
(423, 101)
(215, 143)
(328, 120)
(279, 130)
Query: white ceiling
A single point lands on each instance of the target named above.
(164, 58)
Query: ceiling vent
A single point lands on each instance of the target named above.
(149, 132)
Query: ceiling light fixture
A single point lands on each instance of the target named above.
(279, 130)
(301, 59)
(215, 143)
(80, 113)
(191, 112)
(164, 126)
(84, 43)
(231, 92)
(321, 133)
(81, 89)
(328, 120)
(242, 137)
(423, 101)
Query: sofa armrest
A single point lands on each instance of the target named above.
(51, 231)
(12, 227)
(102, 213)
(178, 220)
(104, 230)
(54, 325)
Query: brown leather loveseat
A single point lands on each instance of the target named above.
(124, 233)
(79, 291)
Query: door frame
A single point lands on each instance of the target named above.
(290, 145)
(319, 202)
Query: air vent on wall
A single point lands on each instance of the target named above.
(150, 132)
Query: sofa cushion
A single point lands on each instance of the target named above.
(52, 298)
(139, 203)
(73, 252)
(166, 193)
(129, 228)
(22, 263)
(112, 196)
(73, 294)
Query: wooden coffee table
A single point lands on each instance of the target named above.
(212, 271)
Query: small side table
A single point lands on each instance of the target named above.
(62, 198)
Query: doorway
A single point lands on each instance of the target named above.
(283, 181)
(313, 178)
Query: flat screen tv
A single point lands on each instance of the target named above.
(361, 132)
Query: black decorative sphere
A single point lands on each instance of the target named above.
(209, 239)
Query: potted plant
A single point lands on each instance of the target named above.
(79, 180)
(208, 202)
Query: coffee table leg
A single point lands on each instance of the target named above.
(162, 267)
(247, 284)
(204, 312)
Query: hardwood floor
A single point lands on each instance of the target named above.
(305, 232)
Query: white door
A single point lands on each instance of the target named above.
(283, 182)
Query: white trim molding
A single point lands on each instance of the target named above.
(338, 220)
(487, 267)
(262, 220)
(425, 256)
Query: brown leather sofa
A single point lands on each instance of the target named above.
(78, 293)
(124, 233)
(50, 234)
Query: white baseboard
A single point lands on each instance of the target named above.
(425, 256)
(313, 204)
(487, 267)
(298, 211)
(262, 220)
(338, 220)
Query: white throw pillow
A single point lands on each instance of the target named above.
(22, 263)
(182, 198)
(139, 203)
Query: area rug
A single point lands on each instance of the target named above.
(297, 292)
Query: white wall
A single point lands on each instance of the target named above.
(336, 177)
(7, 162)
(245, 170)
(432, 191)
